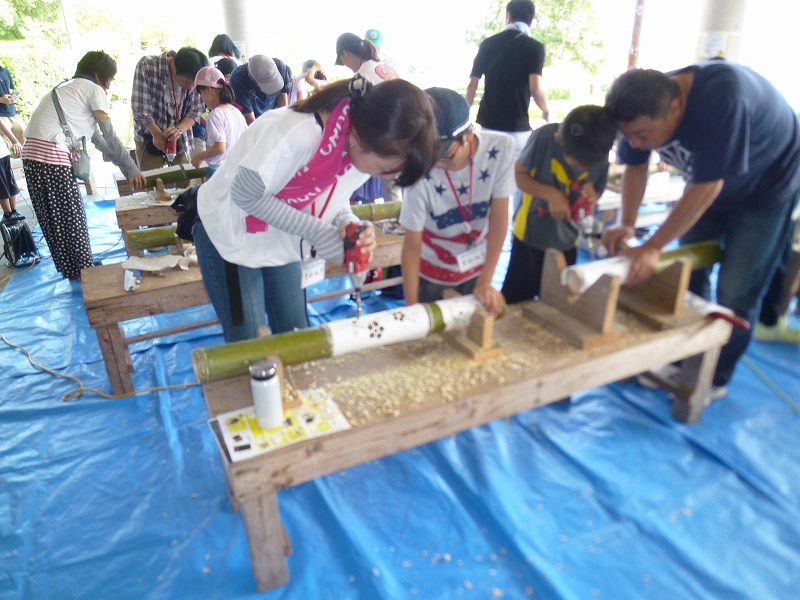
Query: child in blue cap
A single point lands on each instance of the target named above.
(457, 216)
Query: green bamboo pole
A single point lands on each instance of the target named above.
(229, 360)
(702, 255)
(331, 339)
(180, 175)
(579, 278)
(151, 237)
(377, 212)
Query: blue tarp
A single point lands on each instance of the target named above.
(606, 497)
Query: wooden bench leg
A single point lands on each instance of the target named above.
(267, 540)
(226, 468)
(696, 375)
(116, 357)
(91, 186)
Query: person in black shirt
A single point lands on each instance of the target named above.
(511, 62)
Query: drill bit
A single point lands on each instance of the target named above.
(358, 281)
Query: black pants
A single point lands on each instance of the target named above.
(524, 276)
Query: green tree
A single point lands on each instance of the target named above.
(35, 67)
(565, 27)
(19, 19)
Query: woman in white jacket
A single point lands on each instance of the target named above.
(283, 195)
(46, 159)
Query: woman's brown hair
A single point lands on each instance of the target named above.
(394, 118)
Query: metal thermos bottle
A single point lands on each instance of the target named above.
(265, 386)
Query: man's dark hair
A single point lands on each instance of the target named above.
(226, 65)
(521, 10)
(97, 63)
(188, 61)
(223, 45)
(641, 93)
(587, 134)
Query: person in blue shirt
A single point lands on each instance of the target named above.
(261, 84)
(737, 143)
(8, 112)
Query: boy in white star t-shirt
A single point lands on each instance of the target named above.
(457, 216)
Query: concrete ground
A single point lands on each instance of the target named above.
(105, 189)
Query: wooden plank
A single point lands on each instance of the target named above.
(481, 329)
(140, 211)
(556, 375)
(661, 299)
(107, 301)
(267, 540)
(461, 341)
(171, 331)
(116, 357)
(696, 376)
(595, 308)
(569, 328)
(226, 468)
(655, 316)
(108, 304)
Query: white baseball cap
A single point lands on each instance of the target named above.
(264, 72)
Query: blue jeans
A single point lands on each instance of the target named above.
(752, 243)
(431, 292)
(274, 291)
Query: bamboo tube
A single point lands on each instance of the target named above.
(151, 237)
(702, 255)
(579, 278)
(178, 175)
(336, 338)
(377, 212)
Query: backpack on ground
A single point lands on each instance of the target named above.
(19, 247)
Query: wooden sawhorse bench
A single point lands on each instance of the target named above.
(108, 304)
(428, 390)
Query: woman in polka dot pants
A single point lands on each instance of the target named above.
(63, 221)
(46, 159)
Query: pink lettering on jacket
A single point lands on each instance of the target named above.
(254, 225)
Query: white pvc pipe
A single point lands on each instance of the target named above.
(579, 278)
(402, 324)
(457, 312)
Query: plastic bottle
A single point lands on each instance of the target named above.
(265, 386)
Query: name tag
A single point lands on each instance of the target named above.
(313, 272)
(469, 259)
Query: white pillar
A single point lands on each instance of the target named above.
(633, 53)
(236, 23)
(720, 32)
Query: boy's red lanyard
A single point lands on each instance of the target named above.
(467, 227)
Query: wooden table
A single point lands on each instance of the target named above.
(108, 304)
(401, 396)
(141, 210)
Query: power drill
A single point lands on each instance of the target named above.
(357, 262)
(580, 208)
(170, 150)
